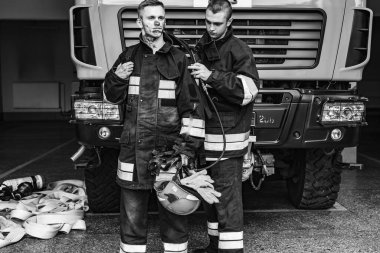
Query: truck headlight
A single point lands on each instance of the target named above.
(338, 112)
(95, 110)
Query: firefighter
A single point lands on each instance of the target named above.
(161, 104)
(228, 68)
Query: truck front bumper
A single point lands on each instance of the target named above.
(291, 120)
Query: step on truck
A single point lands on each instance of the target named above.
(310, 56)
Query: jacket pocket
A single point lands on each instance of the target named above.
(228, 120)
(125, 137)
(168, 68)
(168, 115)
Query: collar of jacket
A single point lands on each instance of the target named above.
(166, 64)
(210, 46)
(164, 49)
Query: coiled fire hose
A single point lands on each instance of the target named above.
(43, 214)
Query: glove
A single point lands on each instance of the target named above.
(181, 148)
(161, 160)
(246, 173)
(202, 183)
(209, 195)
(188, 160)
(197, 180)
(248, 164)
(155, 165)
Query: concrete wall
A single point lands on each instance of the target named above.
(34, 48)
(370, 85)
(35, 9)
(375, 6)
(35, 52)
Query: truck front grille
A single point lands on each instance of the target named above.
(279, 39)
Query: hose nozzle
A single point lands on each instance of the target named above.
(78, 154)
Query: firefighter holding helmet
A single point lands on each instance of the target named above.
(162, 111)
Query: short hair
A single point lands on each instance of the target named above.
(220, 5)
(147, 3)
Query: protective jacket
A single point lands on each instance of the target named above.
(232, 87)
(161, 104)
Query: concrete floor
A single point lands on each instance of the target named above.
(271, 223)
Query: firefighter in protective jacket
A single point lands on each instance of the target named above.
(161, 104)
(228, 68)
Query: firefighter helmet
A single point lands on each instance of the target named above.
(176, 198)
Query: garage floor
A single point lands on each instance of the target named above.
(271, 223)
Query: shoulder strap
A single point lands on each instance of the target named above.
(130, 54)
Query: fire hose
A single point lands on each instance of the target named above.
(60, 208)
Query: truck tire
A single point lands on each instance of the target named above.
(102, 191)
(316, 182)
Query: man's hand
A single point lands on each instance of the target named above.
(124, 70)
(200, 71)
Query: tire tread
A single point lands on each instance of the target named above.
(321, 180)
(102, 190)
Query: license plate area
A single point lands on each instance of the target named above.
(268, 118)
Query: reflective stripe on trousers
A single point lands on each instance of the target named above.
(225, 219)
(134, 224)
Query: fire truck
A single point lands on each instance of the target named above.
(310, 55)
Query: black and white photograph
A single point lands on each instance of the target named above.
(189, 126)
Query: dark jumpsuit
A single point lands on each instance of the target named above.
(233, 88)
(161, 105)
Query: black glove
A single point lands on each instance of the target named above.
(163, 160)
(181, 148)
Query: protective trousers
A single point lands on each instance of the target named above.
(134, 224)
(225, 219)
